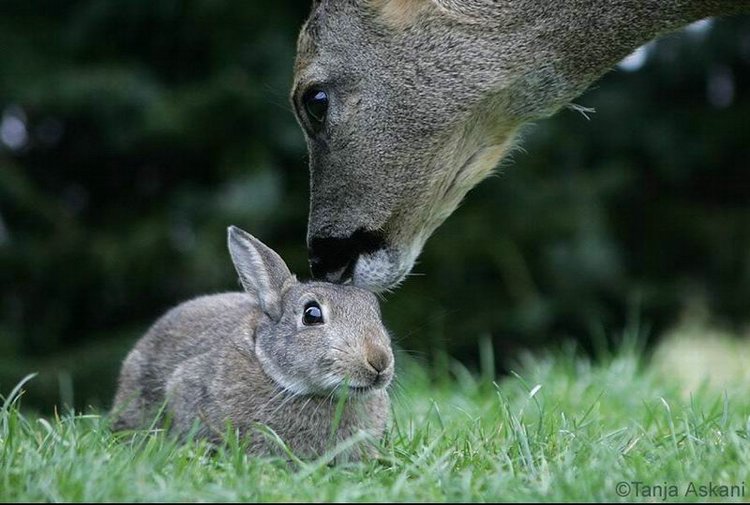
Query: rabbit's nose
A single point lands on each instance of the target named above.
(378, 358)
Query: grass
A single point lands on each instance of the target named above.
(562, 428)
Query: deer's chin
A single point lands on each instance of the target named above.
(384, 269)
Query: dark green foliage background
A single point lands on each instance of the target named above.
(154, 124)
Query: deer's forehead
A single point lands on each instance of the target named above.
(331, 38)
(307, 42)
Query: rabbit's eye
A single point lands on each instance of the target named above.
(313, 314)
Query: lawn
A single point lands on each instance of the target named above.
(561, 427)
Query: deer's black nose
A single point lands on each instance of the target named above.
(333, 259)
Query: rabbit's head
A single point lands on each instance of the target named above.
(313, 337)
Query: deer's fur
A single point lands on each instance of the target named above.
(427, 95)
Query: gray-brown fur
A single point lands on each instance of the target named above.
(247, 358)
(426, 97)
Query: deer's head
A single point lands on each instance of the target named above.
(400, 123)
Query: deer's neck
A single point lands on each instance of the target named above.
(558, 48)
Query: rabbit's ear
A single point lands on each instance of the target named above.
(262, 272)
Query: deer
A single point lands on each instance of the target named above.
(408, 104)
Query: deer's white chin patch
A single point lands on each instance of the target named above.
(383, 269)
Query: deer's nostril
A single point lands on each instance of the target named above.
(334, 259)
(332, 262)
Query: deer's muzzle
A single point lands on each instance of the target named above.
(333, 259)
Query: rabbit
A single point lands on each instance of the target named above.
(281, 354)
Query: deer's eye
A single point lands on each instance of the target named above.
(315, 103)
(312, 314)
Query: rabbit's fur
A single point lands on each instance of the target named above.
(240, 359)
